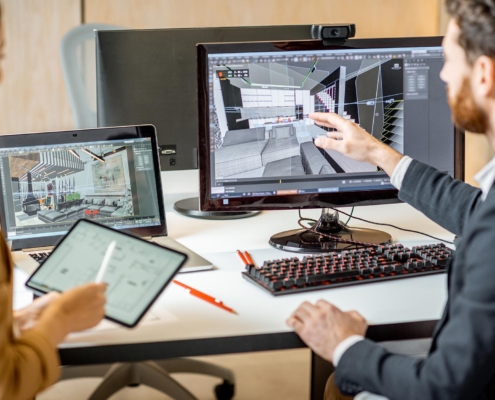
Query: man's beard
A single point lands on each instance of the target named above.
(466, 114)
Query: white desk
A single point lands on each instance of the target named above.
(188, 326)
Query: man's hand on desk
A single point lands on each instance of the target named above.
(323, 326)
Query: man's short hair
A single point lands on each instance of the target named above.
(476, 19)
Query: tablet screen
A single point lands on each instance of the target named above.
(137, 273)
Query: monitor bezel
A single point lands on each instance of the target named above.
(299, 201)
(82, 136)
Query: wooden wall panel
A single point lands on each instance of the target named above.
(373, 18)
(478, 153)
(32, 94)
(444, 18)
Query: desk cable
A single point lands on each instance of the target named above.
(338, 239)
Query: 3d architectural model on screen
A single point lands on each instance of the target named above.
(62, 185)
(261, 123)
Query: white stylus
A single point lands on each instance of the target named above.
(105, 262)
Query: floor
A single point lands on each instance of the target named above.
(22, 219)
(274, 375)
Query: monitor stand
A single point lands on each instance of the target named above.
(313, 240)
(190, 208)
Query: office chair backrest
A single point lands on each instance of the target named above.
(78, 65)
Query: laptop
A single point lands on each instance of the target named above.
(50, 180)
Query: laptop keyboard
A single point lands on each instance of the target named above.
(39, 257)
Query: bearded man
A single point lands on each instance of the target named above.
(461, 361)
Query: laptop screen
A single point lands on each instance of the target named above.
(48, 186)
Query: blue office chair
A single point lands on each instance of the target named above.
(156, 374)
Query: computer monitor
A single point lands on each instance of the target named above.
(256, 140)
(49, 180)
(149, 77)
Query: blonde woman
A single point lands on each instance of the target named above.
(28, 338)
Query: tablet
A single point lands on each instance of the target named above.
(136, 274)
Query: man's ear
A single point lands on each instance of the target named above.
(484, 76)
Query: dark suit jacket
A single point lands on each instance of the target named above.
(461, 362)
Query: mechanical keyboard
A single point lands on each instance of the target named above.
(348, 267)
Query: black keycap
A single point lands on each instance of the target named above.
(335, 275)
(288, 283)
(300, 281)
(442, 262)
(386, 268)
(275, 285)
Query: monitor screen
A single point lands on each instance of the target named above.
(50, 180)
(256, 139)
(149, 77)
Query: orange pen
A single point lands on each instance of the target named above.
(241, 256)
(248, 258)
(205, 297)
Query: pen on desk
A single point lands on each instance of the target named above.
(205, 297)
(105, 262)
(248, 258)
(241, 256)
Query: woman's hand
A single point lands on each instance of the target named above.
(75, 310)
(27, 317)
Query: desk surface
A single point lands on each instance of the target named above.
(186, 326)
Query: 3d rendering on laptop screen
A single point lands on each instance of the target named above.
(45, 188)
(256, 137)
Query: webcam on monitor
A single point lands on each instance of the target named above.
(333, 34)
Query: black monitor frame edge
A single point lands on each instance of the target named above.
(300, 201)
(90, 135)
(187, 29)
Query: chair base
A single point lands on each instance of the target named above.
(155, 374)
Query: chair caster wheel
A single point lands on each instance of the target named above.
(225, 391)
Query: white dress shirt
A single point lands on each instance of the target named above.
(485, 179)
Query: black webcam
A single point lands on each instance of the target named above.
(333, 34)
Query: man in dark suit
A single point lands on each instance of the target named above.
(461, 361)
